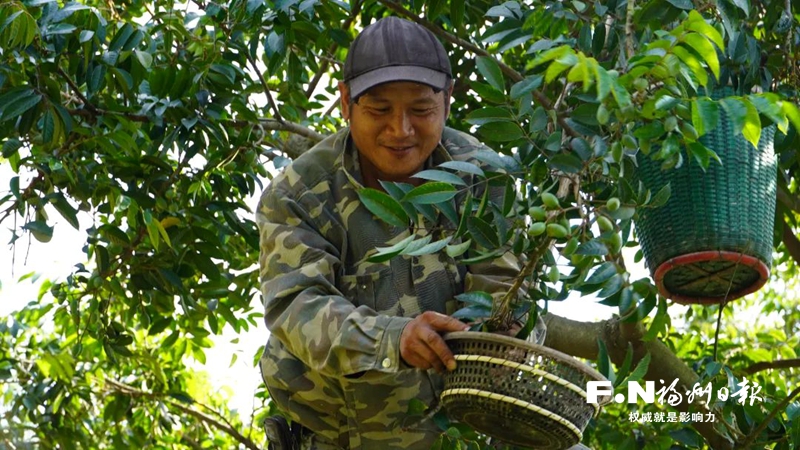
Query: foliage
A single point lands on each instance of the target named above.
(156, 122)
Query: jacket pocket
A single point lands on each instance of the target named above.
(374, 290)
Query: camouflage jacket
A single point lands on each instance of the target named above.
(332, 361)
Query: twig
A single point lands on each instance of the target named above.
(629, 30)
(763, 425)
(501, 316)
(266, 123)
(272, 124)
(511, 73)
(261, 78)
(334, 105)
(778, 364)
(134, 392)
(77, 91)
(354, 11)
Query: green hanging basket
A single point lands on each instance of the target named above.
(712, 241)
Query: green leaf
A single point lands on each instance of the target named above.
(705, 115)
(489, 114)
(691, 61)
(624, 369)
(611, 287)
(792, 113)
(430, 193)
(20, 106)
(482, 232)
(491, 72)
(661, 198)
(477, 298)
(488, 93)
(40, 230)
(501, 131)
(48, 126)
(769, 105)
(66, 210)
(439, 175)
(603, 81)
(593, 247)
(604, 365)
(621, 95)
(703, 47)
(697, 23)
(152, 230)
(681, 4)
(435, 8)
(659, 323)
(101, 256)
(144, 58)
(752, 124)
(457, 8)
(566, 162)
(385, 207)
(652, 130)
(10, 147)
(641, 368)
(473, 312)
(457, 250)
(603, 273)
(737, 112)
(463, 166)
(428, 249)
(525, 86)
(496, 160)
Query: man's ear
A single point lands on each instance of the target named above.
(344, 94)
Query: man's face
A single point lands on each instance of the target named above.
(395, 127)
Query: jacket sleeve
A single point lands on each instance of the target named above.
(303, 307)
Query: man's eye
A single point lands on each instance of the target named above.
(423, 111)
(379, 110)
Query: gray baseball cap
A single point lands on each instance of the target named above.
(394, 49)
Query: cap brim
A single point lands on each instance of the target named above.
(416, 74)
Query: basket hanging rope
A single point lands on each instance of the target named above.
(712, 241)
(518, 392)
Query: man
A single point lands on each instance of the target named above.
(353, 342)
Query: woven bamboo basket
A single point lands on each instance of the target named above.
(712, 241)
(518, 392)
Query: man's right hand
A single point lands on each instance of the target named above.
(421, 344)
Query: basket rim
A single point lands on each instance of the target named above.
(710, 255)
(512, 341)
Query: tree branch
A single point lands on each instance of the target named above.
(354, 11)
(510, 72)
(134, 392)
(579, 339)
(266, 123)
(272, 124)
(77, 91)
(629, 30)
(264, 84)
(778, 364)
(775, 411)
(789, 239)
(788, 199)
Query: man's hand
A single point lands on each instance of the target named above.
(422, 346)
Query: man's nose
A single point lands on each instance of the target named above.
(399, 125)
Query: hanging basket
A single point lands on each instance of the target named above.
(712, 241)
(518, 392)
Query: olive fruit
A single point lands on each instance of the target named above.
(550, 201)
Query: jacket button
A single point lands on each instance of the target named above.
(386, 363)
